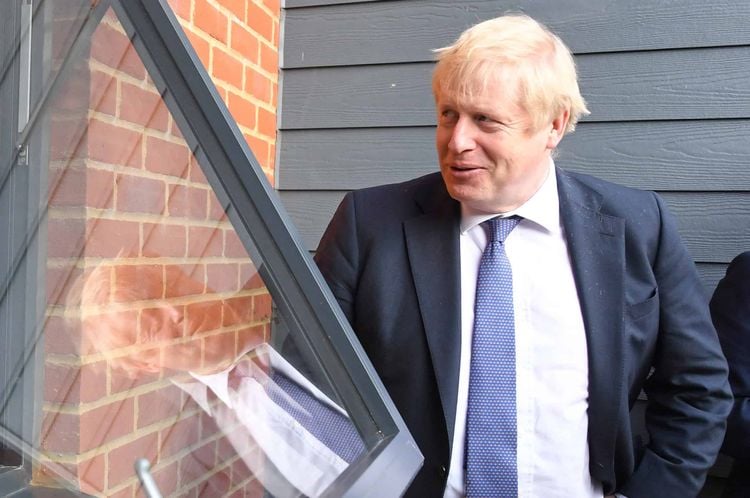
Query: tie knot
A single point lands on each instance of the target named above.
(500, 228)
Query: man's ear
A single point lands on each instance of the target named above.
(557, 131)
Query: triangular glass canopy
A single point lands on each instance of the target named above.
(162, 331)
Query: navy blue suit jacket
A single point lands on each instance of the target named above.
(730, 310)
(391, 258)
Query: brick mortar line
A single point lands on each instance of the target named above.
(172, 459)
(262, 6)
(231, 16)
(144, 173)
(258, 103)
(76, 409)
(257, 134)
(122, 76)
(77, 361)
(156, 428)
(214, 43)
(66, 312)
(221, 84)
(143, 260)
(145, 131)
(89, 213)
(147, 83)
(92, 165)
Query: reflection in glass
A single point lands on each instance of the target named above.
(158, 338)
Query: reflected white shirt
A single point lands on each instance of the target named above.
(251, 421)
(551, 353)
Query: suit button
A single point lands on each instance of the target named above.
(443, 471)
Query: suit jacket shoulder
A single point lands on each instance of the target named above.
(401, 199)
(610, 198)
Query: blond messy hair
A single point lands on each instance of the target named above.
(517, 48)
(104, 299)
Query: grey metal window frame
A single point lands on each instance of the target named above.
(256, 212)
(12, 472)
(20, 298)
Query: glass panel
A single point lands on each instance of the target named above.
(159, 338)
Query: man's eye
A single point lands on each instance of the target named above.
(482, 118)
(448, 115)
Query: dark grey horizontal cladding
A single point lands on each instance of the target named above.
(659, 85)
(346, 159)
(710, 274)
(661, 155)
(359, 96)
(398, 31)
(710, 155)
(715, 226)
(310, 212)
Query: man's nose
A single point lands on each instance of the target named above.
(462, 138)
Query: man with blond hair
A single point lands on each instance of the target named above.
(515, 311)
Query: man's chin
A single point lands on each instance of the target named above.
(468, 197)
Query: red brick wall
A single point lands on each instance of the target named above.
(238, 41)
(127, 195)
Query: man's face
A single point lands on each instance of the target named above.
(491, 158)
(167, 341)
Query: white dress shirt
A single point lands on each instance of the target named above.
(551, 354)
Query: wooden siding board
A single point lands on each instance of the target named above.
(671, 84)
(636, 86)
(346, 159)
(710, 274)
(715, 226)
(397, 31)
(661, 155)
(362, 96)
(310, 212)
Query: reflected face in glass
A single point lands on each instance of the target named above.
(166, 342)
(491, 158)
(166, 336)
(115, 335)
(162, 323)
(201, 355)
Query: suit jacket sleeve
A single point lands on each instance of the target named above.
(688, 392)
(730, 310)
(337, 256)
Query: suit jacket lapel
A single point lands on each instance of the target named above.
(433, 248)
(597, 250)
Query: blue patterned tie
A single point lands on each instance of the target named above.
(491, 441)
(329, 426)
(332, 428)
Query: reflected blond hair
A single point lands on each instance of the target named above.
(513, 47)
(107, 320)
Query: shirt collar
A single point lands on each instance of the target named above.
(543, 208)
(269, 359)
